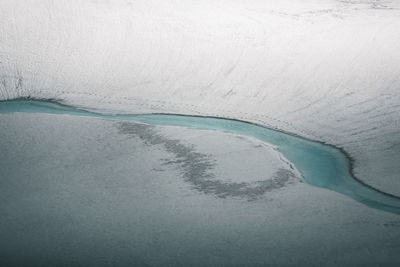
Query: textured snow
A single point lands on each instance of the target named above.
(328, 70)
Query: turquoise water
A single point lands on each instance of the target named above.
(320, 165)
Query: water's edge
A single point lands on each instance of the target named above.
(320, 164)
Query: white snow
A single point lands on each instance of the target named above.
(328, 70)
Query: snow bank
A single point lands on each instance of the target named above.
(328, 70)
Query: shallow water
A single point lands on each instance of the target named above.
(319, 164)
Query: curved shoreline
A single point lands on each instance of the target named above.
(342, 150)
(349, 159)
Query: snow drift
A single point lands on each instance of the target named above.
(327, 70)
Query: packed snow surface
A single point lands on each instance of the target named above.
(327, 70)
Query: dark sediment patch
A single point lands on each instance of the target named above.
(197, 168)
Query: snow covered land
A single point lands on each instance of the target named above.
(97, 190)
(324, 69)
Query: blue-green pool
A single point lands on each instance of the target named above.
(320, 165)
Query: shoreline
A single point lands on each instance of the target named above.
(349, 159)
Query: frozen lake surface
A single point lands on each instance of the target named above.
(83, 188)
(319, 164)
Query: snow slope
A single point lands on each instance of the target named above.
(327, 70)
